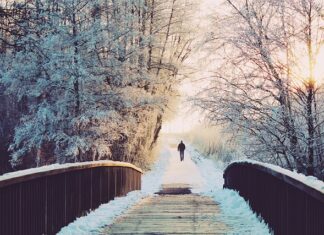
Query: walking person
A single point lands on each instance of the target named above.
(181, 149)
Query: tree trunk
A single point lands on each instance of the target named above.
(166, 38)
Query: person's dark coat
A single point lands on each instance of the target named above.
(181, 147)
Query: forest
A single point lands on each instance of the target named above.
(266, 88)
(85, 80)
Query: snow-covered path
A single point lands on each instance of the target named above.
(201, 174)
(185, 172)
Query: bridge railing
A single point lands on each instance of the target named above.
(45, 201)
(288, 204)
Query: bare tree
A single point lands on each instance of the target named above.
(258, 87)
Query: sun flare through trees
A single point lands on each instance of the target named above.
(268, 82)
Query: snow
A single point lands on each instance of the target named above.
(310, 181)
(55, 167)
(108, 94)
(236, 212)
(96, 220)
(103, 216)
(177, 172)
(205, 178)
(30, 171)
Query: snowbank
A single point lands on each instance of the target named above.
(98, 219)
(236, 213)
(95, 221)
(310, 181)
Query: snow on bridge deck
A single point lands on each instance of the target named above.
(171, 213)
(209, 209)
(175, 210)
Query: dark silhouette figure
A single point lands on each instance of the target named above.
(181, 149)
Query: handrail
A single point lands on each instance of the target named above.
(34, 173)
(43, 200)
(317, 193)
(288, 204)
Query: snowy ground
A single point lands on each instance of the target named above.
(96, 220)
(236, 213)
(202, 174)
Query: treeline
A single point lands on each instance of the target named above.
(268, 85)
(87, 80)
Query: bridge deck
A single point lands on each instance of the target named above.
(171, 213)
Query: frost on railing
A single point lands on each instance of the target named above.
(310, 181)
(42, 200)
(289, 202)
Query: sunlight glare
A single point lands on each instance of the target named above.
(302, 71)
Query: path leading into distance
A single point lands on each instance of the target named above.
(176, 198)
(175, 209)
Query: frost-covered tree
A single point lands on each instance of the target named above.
(263, 87)
(93, 75)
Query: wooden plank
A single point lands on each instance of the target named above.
(171, 214)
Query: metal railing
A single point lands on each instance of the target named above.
(287, 205)
(44, 202)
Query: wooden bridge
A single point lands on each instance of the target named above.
(175, 211)
(43, 202)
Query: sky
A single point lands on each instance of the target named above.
(185, 117)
